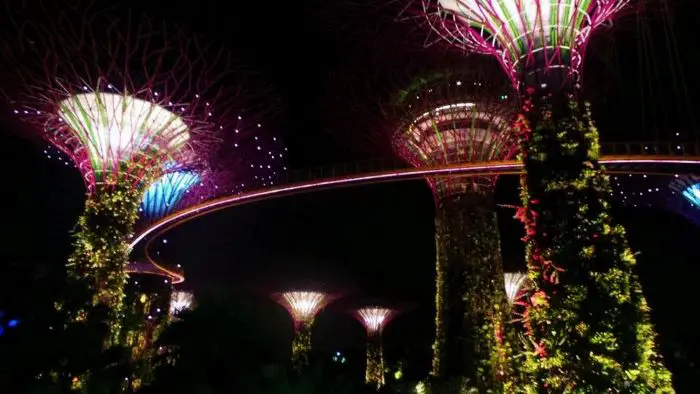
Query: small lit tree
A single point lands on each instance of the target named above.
(375, 319)
(302, 307)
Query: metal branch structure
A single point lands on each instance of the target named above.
(574, 249)
(303, 306)
(122, 99)
(374, 319)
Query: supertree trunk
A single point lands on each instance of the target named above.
(470, 296)
(301, 346)
(587, 321)
(374, 373)
(101, 252)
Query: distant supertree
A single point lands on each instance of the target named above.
(181, 301)
(165, 194)
(303, 307)
(575, 251)
(514, 284)
(375, 319)
(122, 100)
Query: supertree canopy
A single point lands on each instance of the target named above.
(181, 301)
(527, 36)
(375, 319)
(514, 284)
(303, 307)
(122, 101)
(164, 195)
(450, 118)
(453, 119)
(578, 258)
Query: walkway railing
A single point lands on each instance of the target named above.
(671, 149)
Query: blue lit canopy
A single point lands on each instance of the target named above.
(692, 194)
(166, 193)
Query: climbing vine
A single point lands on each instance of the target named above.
(587, 322)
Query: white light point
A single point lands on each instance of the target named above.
(113, 126)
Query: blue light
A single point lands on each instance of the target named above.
(692, 194)
(166, 192)
(2, 330)
(13, 323)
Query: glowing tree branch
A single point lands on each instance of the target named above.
(587, 320)
(303, 307)
(685, 197)
(121, 102)
(375, 319)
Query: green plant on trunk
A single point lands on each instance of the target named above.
(472, 308)
(587, 322)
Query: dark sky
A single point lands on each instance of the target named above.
(370, 241)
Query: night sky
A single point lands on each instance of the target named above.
(370, 241)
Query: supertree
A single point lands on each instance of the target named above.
(302, 307)
(122, 100)
(462, 118)
(374, 319)
(439, 111)
(587, 321)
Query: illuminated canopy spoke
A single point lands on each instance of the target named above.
(117, 130)
(450, 121)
